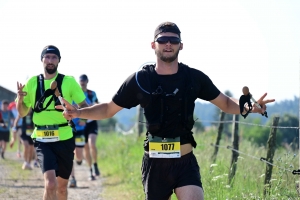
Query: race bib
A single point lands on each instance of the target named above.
(164, 147)
(80, 140)
(29, 132)
(47, 134)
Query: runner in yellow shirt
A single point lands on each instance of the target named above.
(52, 136)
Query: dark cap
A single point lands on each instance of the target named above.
(166, 27)
(83, 77)
(50, 49)
(5, 102)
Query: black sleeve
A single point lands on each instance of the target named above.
(208, 91)
(129, 94)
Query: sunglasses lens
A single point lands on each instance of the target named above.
(165, 40)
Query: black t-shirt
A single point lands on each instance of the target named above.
(139, 87)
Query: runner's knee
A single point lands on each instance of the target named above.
(50, 184)
(62, 190)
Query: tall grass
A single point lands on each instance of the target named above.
(120, 160)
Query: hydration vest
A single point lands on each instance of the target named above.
(41, 94)
(27, 122)
(158, 101)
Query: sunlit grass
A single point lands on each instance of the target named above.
(120, 159)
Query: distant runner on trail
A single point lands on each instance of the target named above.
(26, 131)
(90, 131)
(16, 129)
(80, 142)
(5, 126)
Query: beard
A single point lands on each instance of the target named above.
(167, 59)
(52, 70)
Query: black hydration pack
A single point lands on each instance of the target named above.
(157, 103)
(41, 94)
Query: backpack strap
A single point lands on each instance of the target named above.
(41, 94)
(59, 80)
(90, 95)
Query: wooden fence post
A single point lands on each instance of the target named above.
(235, 145)
(139, 120)
(219, 136)
(271, 145)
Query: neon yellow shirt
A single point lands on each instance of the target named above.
(71, 92)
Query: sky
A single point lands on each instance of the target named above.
(236, 43)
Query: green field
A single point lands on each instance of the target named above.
(120, 160)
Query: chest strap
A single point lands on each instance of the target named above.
(49, 126)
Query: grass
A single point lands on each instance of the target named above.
(16, 171)
(120, 159)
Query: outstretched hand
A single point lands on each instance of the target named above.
(20, 93)
(70, 111)
(262, 103)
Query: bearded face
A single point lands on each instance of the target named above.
(51, 68)
(50, 62)
(167, 55)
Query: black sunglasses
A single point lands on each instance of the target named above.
(166, 39)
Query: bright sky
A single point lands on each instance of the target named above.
(236, 43)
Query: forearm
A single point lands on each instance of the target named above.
(15, 124)
(22, 108)
(95, 112)
(14, 135)
(233, 106)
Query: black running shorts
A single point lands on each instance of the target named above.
(25, 137)
(79, 135)
(56, 156)
(161, 176)
(90, 128)
(4, 135)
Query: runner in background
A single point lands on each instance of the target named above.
(79, 144)
(7, 120)
(16, 130)
(91, 130)
(26, 131)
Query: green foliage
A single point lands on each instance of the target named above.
(284, 136)
(289, 135)
(107, 125)
(256, 134)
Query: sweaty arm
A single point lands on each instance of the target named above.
(227, 104)
(99, 111)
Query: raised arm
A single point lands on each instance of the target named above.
(21, 107)
(231, 105)
(95, 112)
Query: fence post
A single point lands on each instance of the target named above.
(235, 145)
(139, 120)
(271, 145)
(220, 130)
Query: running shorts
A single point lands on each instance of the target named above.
(161, 176)
(56, 156)
(90, 128)
(4, 135)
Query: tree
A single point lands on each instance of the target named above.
(289, 135)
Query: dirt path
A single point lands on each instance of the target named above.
(16, 183)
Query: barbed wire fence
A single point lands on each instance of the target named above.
(234, 148)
